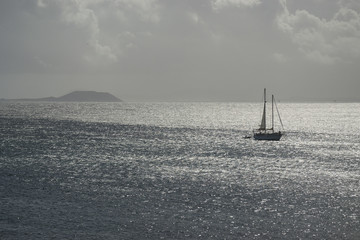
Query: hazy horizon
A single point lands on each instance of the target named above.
(160, 50)
(260, 99)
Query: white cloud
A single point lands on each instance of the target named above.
(92, 16)
(81, 15)
(321, 40)
(41, 3)
(194, 17)
(148, 10)
(219, 4)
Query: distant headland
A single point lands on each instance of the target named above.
(78, 96)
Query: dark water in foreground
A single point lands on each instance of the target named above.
(177, 171)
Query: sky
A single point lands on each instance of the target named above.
(181, 50)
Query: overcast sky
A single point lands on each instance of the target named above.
(176, 50)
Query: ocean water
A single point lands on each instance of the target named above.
(178, 171)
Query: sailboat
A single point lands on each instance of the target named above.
(264, 133)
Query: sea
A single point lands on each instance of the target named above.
(178, 171)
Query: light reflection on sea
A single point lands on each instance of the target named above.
(178, 170)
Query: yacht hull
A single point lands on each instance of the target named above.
(268, 136)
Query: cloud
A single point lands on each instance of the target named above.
(80, 14)
(148, 10)
(97, 19)
(194, 17)
(41, 3)
(280, 58)
(220, 4)
(321, 40)
(41, 63)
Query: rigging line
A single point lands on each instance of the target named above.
(278, 114)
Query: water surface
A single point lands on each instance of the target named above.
(177, 171)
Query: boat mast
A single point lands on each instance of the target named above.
(265, 109)
(272, 112)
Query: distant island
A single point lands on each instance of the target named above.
(78, 96)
